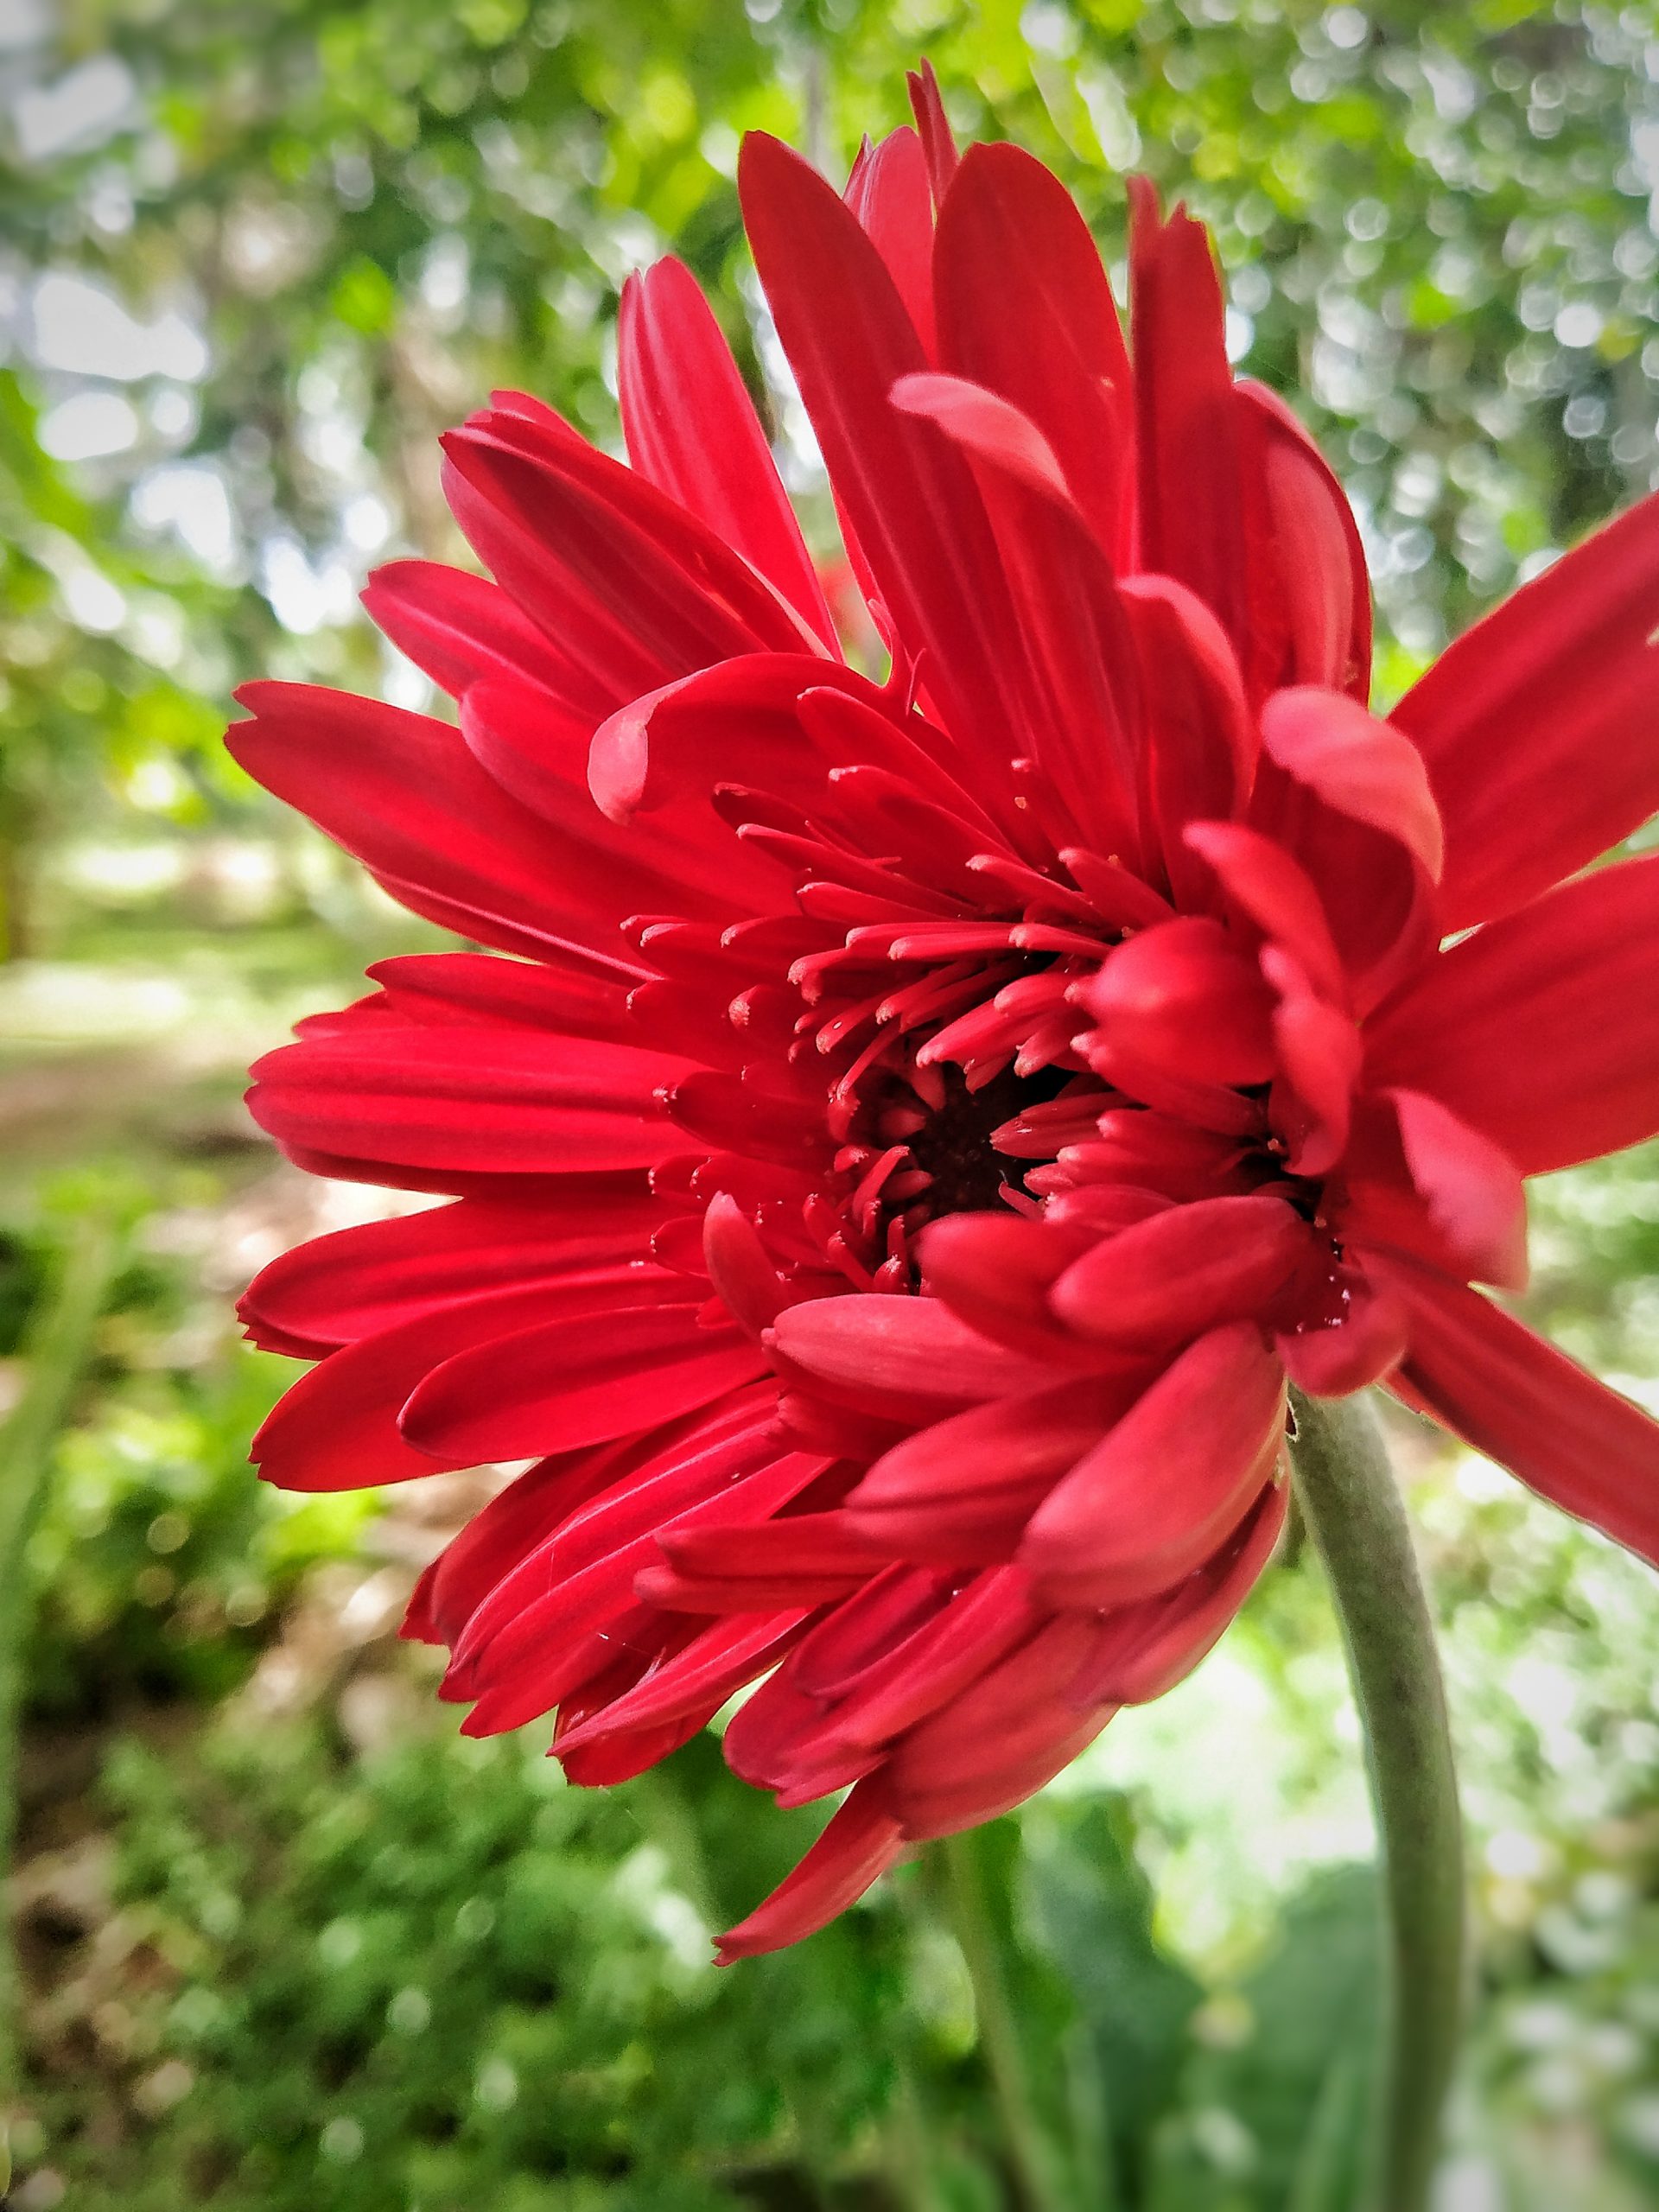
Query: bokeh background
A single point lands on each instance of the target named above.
(283, 1939)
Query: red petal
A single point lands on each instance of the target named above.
(580, 1379)
(1170, 1483)
(717, 1661)
(934, 125)
(1473, 1190)
(960, 1492)
(1537, 724)
(691, 427)
(1199, 747)
(1146, 1650)
(914, 511)
(888, 192)
(1321, 1052)
(862, 1841)
(893, 1349)
(679, 862)
(1542, 1030)
(995, 1271)
(1172, 1277)
(513, 1103)
(360, 1280)
(457, 627)
(1015, 257)
(1357, 764)
(475, 987)
(998, 1740)
(1081, 733)
(1313, 551)
(1515, 1398)
(596, 550)
(401, 793)
(1183, 998)
(1191, 489)
(1276, 893)
(336, 1428)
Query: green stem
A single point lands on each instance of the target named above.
(1359, 1527)
(59, 1348)
(1029, 2149)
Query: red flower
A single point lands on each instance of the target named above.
(1089, 976)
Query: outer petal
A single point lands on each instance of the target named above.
(1184, 998)
(513, 1103)
(1082, 734)
(1542, 1030)
(1145, 1650)
(1170, 1278)
(1313, 556)
(1346, 793)
(581, 1378)
(402, 793)
(1167, 1486)
(1524, 1404)
(910, 499)
(894, 1349)
(960, 1490)
(889, 192)
(361, 1280)
(691, 427)
(1015, 257)
(456, 626)
(1192, 524)
(337, 1428)
(1540, 725)
(862, 1841)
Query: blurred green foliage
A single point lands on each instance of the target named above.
(288, 1941)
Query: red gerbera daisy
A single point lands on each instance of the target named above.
(920, 1125)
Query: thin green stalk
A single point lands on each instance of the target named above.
(57, 1353)
(1030, 2151)
(1359, 1527)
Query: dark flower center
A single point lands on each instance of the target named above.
(954, 1147)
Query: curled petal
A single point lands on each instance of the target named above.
(862, 1841)
(1178, 1273)
(1182, 997)
(1169, 1483)
(1145, 1650)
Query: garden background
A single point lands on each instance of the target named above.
(284, 1940)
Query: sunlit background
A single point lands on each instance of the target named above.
(284, 1940)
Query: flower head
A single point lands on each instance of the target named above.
(919, 1126)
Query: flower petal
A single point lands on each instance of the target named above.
(862, 1841)
(402, 793)
(1542, 1030)
(1014, 256)
(1522, 1402)
(889, 192)
(1172, 1277)
(581, 1378)
(910, 499)
(1538, 725)
(692, 429)
(1168, 1485)
(513, 1103)
(457, 627)
(358, 1282)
